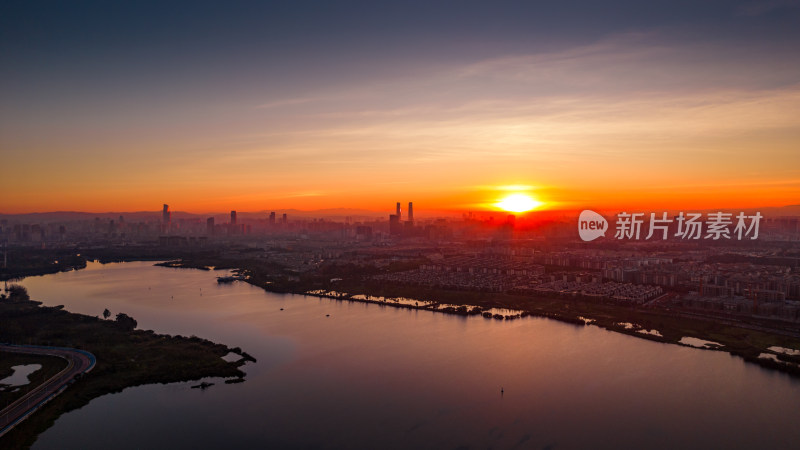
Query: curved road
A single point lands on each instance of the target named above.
(78, 362)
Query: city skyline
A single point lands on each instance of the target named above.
(496, 209)
(417, 224)
(655, 106)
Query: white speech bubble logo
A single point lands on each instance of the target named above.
(591, 225)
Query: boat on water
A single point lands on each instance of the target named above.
(228, 279)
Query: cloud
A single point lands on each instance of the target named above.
(628, 102)
(764, 7)
(287, 102)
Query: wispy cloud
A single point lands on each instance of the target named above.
(620, 107)
(288, 102)
(764, 7)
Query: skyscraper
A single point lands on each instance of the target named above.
(210, 226)
(233, 217)
(165, 219)
(394, 225)
(410, 211)
(397, 213)
(272, 218)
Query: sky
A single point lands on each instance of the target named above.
(213, 106)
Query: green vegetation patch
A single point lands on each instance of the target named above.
(126, 357)
(51, 365)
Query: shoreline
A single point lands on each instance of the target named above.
(743, 340)
(649, 324)
(125, 357)
(751, 342)
(632, 322)
(773, 362)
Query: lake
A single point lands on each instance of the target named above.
(371, 376)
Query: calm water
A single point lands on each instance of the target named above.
(371, 376)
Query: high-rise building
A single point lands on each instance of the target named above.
(210, 226)
(410, 211)
(233, 217)
(284, 219)
(272, 218)
(397, 212)
(394, 225)
(165, 219)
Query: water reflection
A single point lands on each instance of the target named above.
(334, 374)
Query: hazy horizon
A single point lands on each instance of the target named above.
(382, 213)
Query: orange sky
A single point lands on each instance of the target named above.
(647, 119)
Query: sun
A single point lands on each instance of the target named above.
(518, 203)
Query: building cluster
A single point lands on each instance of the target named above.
(489, 273)
(76, 230)
(483, 264)
(398, 227)
(484, 274)
(595, 289)
(234, 226)
(472, 253)
(468, 281)
(765, 282)
(741, 306)
(762, 283)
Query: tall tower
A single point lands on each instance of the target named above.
(233, 217)
(410, 211)
(397, 213)
(210, 226)
(165, 219)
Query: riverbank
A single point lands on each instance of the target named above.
(320, 357)
(771, 350)
(126, 357)
(768, 350)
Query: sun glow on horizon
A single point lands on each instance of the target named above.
(518, 203)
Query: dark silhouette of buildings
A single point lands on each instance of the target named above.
(233, 217)
(363, 232)
(210, 226)
(396, 225)
(165, 219)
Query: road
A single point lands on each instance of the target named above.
(78, 362)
